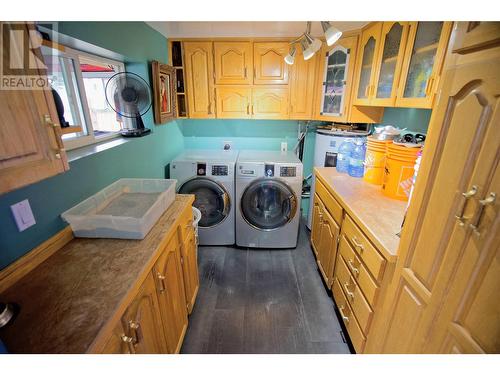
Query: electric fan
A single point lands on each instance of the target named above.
(130, 96)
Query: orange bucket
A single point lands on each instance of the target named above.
(375, 161)
(399, 170)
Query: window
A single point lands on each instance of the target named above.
(78, 81)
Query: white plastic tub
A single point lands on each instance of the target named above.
(128, 208)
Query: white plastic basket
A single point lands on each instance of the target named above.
(128, 208)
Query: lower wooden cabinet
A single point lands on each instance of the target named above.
(325, 233)
(327, 251)
(170, 291)
(190, 269)
(156, 319)
(350, 264)
(140, 328)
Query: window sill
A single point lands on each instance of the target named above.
(81, 152)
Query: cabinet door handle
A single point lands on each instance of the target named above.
(349, 293)
(248, 109)
(135, 327)
(357, 244)
(162, 281)
(367, 91)
(245, 72)
(428, 87)
(210, 108)
(130, 343)
(60, 145)
(490, 200)
(465, 197)
(252, 110)
(344, 318)
(351, 266)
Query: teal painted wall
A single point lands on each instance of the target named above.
(143, 157)
(245, 134)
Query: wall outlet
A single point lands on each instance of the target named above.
(284, 146)
(227, 145)
(23, 215)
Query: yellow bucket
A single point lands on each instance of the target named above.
(374, 166)
(375, 161)
(398, 174)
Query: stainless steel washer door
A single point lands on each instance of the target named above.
(211, 198)
(268, 204)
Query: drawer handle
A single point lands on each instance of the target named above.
(351, 266)
(357, 244)
(344, 318)
(162, 282)
(136, 328)
(130, 343)
(490, 200)
(349, 293)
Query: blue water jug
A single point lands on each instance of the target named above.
(343, 156)
(356, 167)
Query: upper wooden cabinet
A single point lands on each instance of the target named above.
(388, 63)
(269, 64)
(270, 103)
(423, 61)
(233, 62)
(301, 85)
(200, 79)
(399, 63)
(367, 57)
(233, 101)
(335, 82)
(31, 148)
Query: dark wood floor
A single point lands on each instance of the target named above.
(262, 301)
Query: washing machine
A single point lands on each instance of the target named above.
(209, 175)
(326, 147)
(268, 193)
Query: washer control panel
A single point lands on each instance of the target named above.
(219, 170)
(288, 171)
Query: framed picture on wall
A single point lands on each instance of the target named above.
(163, 92)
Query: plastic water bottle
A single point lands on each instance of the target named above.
(356, 167)
(343, 156)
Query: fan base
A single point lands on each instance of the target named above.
(135, 132)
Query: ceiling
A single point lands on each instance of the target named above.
(209, 29)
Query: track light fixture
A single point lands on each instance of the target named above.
(290, 58)
(332, 34)
(311, 45)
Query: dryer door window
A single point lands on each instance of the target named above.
(211, 198)
(268, 204)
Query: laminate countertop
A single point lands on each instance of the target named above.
(68, 299)
(378, 216)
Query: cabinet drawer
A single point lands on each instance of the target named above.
(359, 272)
(329, 201)
(367, 252)
(359, 305)
(357, 338)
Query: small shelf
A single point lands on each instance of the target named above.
(71, 129)
(181, 93)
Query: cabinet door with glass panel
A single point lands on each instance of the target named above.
(425, 51)
(388, 65)
(365, 84)
(336, 74)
